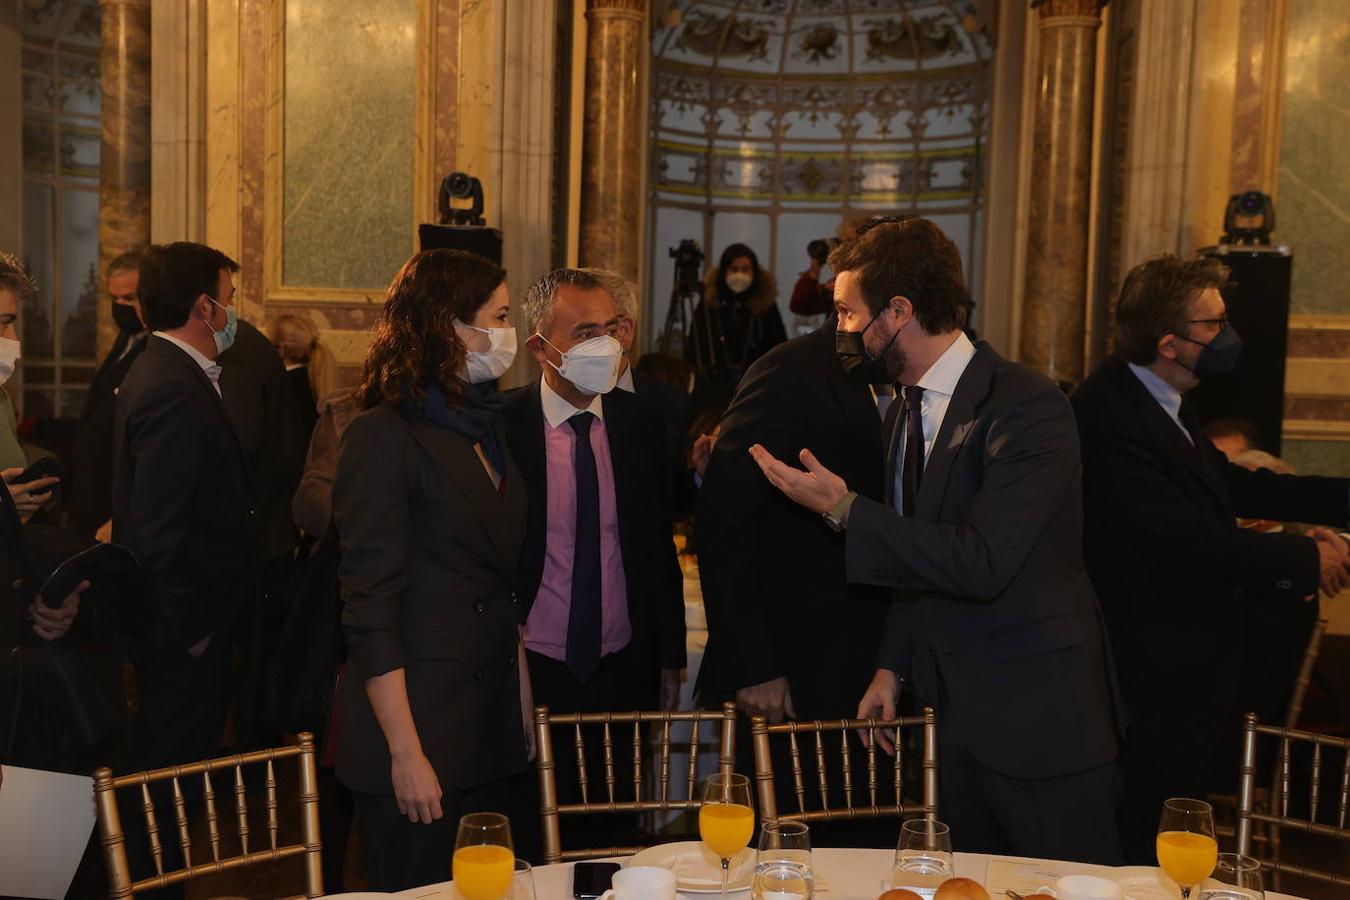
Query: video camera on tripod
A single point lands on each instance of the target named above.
(685, 295)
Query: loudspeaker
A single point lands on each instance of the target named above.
(486, 242)
(1258, 307)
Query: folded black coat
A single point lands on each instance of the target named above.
(298, 689)
(60, 698)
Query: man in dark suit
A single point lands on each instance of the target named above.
(92, 457)
(790, 641)
(181, 502)
(261, 405)
(980, 531)
(604, 621)
(795, 641)
(603, 591)
(1162, 542)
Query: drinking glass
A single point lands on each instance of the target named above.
(1187, 850)
(726, 819)
(783, 862)
(923, 858)
(1235, 878)
(484, 861)
(522, 882)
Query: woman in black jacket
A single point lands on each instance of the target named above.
(434, 707)
(735, 323)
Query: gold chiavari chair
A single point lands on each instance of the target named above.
(763, 734)
(550, 809)
(1278, 816)
(114, 843)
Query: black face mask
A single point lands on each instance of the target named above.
(1219, 357)
(126, 319)
(858, 364)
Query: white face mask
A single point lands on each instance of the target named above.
(739, 281)
(9, 358)
(492, 363)
(593, 365)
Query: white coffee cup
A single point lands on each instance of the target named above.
(1084, 887)
(641, 883)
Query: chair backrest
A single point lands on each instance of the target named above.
(874, 805)
(1278, 815)
(1305, 673)
(114, 843)
(608, 723)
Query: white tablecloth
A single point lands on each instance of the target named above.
(841, 875)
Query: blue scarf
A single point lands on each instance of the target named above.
(473, 419)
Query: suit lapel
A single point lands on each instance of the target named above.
(960, 418)
(891, 430)
(172, 352)
(457, 459)
(1168, 434)
(622, 454)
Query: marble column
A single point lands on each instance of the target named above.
(1054, 306)
(611, 154)
(124, 152)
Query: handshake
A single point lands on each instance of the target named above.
(1333, 554)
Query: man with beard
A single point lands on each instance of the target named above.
(994, 617)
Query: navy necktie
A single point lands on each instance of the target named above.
(911, 469)
(583, 622)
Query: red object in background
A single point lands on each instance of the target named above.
(810, 297)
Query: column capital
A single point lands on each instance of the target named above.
(1053, 9)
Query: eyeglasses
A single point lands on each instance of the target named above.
(1222, 322)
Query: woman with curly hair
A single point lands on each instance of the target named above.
(434, 707)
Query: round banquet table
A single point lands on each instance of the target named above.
(840, 875)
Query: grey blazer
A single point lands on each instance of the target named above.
(996, 620)
(430, 551)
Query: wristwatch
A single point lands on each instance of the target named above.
(836, 515)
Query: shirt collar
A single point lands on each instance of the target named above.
(942, 376)
(1168, 397)
(626, 379)
(557, 410)
(209, 366)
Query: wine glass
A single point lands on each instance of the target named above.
(726, 819)
(484, 861)
(1235, 878)
(522, 882)
(1187, 850)
(923, 857)
(783, 862)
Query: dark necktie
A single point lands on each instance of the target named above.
(583, 622)
(911, 468)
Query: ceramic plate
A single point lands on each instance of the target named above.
(697, 869)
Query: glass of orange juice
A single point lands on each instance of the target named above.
(726, 819)
(1187, 850)
(485, 860)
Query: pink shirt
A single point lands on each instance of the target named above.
(546, 626)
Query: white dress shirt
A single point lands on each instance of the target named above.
(938, 383)
(209, 366)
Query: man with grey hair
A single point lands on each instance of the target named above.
(672, 403)
(601, 588)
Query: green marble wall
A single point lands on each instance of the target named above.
(1318, 457)
(1314, 195)
(349, 130)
